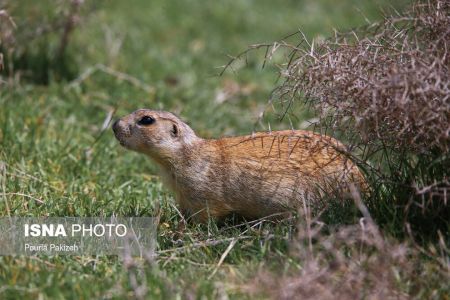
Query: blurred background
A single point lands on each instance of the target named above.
(175, 48)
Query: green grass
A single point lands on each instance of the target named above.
(53, 148)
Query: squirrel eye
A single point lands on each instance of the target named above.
(146, 120)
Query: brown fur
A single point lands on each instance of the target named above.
(254, 176)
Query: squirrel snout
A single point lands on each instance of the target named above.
(121, 130)
(115, 126)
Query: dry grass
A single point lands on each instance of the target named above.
(355, 262)
(389, 82)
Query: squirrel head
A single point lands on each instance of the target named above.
(159, 134)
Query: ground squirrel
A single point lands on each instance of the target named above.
(253, 176)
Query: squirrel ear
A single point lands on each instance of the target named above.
(175, 132)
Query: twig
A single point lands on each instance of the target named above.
(105, 126)
(69, 26)
(27, 196)
(204, 244)
(107, 70)
(3, 183)
(222, 258)
(24, 175)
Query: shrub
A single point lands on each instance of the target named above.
(384, 89)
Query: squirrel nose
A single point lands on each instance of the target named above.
(115, 125)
